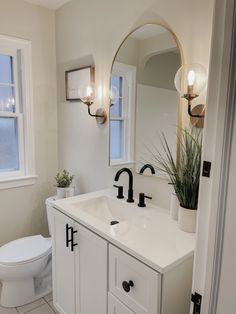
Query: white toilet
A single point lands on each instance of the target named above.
(26, 267)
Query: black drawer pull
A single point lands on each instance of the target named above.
(72, 237)
(67, 235)
(126, 285)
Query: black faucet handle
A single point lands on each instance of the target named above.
(142, 197)
(120, 191)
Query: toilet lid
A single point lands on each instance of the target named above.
(24, 250)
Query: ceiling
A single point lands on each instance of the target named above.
(49, 4)
(148, 31)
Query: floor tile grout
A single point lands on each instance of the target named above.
(48, 302)
(34, 308)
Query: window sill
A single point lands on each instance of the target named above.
(128, 164)
(14, 182)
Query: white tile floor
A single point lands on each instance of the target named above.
(41, 306)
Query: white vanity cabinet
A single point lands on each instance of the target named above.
(79, 268)
(91, 275)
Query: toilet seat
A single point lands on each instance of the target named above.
(24, 250)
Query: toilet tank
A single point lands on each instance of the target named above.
(49, 202)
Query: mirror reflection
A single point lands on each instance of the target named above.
(144, 101)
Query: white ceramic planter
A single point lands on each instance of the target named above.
(61, 193)
(69, 191)
(174, 206)
(187, 219)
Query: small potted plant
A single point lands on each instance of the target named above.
(184, 175)
(63, 180)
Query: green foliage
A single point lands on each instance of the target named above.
(185, 174)
(63, 179)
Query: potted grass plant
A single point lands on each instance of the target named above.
(184, 175)
(63, 182)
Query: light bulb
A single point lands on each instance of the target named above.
(191, 77)
(89, 91)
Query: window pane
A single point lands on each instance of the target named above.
(6, 72)
(116, 139)
(116, 108)
(9, 154)
(7, 99)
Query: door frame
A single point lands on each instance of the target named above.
(217, 140)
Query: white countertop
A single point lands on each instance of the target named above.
(150, 235)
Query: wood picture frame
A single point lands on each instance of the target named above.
(76, 78)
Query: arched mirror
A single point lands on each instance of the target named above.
(144, 101)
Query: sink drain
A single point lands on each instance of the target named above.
(114, 222)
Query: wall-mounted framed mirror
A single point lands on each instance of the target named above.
(144, 101)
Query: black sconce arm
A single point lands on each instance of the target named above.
(94, 115)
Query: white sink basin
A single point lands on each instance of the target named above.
(106, 209)
(147, 233)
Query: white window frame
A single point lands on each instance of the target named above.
(128, 73)
(22, 66)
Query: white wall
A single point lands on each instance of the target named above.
(88, 31)
(22, 209)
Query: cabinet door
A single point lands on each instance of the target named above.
(91, 273)
(63, 265)
(116, 307)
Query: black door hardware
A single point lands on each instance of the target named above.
(142, 197)
(120, 191)
(71, 240)
(126, 285)
(206, 169)
(67, 235)
(197, 301)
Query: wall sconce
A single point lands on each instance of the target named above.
(190, 80)
(79, 85)
(86, 95)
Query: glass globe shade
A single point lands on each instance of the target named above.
(86, 93)
(190, 79)
(114, 94)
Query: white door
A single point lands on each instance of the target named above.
(213, 190)
(226, 296)
(63, 264)
(91, 272)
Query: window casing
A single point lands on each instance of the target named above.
(122, 113)
(16, 123)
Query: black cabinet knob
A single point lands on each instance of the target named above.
(126, 285)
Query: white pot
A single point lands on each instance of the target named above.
(69, 191)
(187, 219)
(174, 206)
(61, 193)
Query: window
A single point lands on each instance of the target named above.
(122, 114)
(16, 128)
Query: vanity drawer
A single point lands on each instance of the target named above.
(135, 284)
(117, 307)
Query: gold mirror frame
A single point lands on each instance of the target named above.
(180, 106)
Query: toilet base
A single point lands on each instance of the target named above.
(18, 293)
(15, 293)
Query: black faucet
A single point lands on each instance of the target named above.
(147, 166)
(130, 190)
